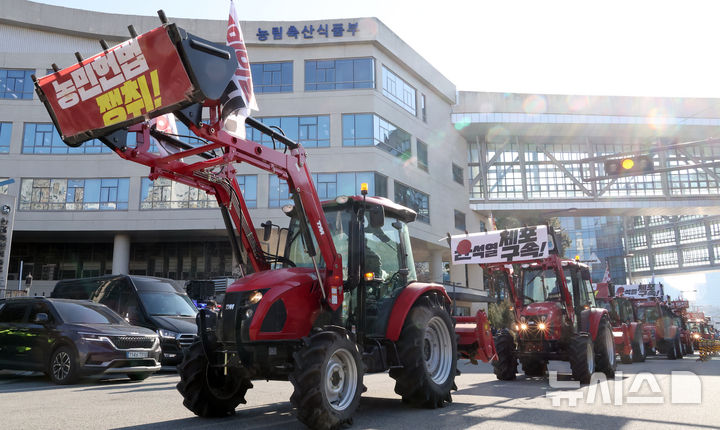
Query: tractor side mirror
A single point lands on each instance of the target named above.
(41, 318)
(377, 216)
(267, 230)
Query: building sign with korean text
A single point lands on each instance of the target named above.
(117, 87)
(306, 31)
(500, 246)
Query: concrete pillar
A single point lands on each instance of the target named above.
(436, 266)
(121, 254)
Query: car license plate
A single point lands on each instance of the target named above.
(137, 354)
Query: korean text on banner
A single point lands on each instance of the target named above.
(500, 246)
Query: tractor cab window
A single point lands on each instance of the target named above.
(541, 285)
(498, 285)
(648, 314)
(626, 310)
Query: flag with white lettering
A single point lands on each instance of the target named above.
(239, 99)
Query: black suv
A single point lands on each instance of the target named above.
(154, 303)
(67, 339)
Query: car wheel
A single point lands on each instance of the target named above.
(139, 376)
(63, 366)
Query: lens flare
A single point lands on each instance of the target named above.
(535, 104)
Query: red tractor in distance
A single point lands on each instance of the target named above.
(679, 308)
(627, 331)
(658, 322)
(343, 301)
(554, 306)
(698, 328)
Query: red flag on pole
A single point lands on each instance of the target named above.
(239, 99)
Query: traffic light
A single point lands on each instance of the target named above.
(629, 166)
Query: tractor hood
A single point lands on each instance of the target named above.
(551, 310)
(290, 277)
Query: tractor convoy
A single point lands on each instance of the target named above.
(339, 298)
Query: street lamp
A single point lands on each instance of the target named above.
(627, 267)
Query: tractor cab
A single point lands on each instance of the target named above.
(371, 235)
(555, 290)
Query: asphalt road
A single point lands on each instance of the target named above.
(32, 401)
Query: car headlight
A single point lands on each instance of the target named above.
(92, 337)
(167, 333)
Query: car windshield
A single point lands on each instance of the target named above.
(648, 314)
(540, 285)
(167, 304)
(86, 313)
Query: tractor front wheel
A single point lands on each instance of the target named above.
(605, 350)
(207, 391)
(327, 380)
(582, 358)
(639, 351)
(505, 366)
(428, 353)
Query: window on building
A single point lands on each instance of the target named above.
(74, 194)
(163, 193)
(342, 74)
(248, 187)
(330, 185)
(4, 189)
(414, 199)
(16, 84)
(422, 155)
(43, 138)
(272, 77)
(483, 227)
(423, 110)
(457, 173)
(399, 91)
(369, 129)
(5, 132)
(460, 220)
(310, 131)
(279, 193)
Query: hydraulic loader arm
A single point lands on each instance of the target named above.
(168, 70)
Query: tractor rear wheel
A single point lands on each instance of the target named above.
(428, 352)
(671, 349)
(678, 348)
(605, 350)
(327, 380)
(582, 358)
(505, 367)
(639, 352)
(533, 367)
(206, 390)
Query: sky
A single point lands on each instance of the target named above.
(609, 47)
(628, 47)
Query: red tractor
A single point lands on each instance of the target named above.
(660, 327)
(679, 308)
(557, 319)
(698, 328)
(344, 300)
(627, 331)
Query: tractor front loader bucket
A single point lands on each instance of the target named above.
(163, 70)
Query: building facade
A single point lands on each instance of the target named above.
(365, 105)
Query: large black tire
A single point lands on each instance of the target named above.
(428, 353)
(139, 376)
(327, 380)
(534, 367)
(505, 366)
(582, 357)
(63, 367)
(671, 349)
(605, 361)
(639, 351)
(690, 350)
(206, 391)
(678, 347)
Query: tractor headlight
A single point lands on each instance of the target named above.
(523, 326)
(255, 297)
(696, 336)
(542, 326)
